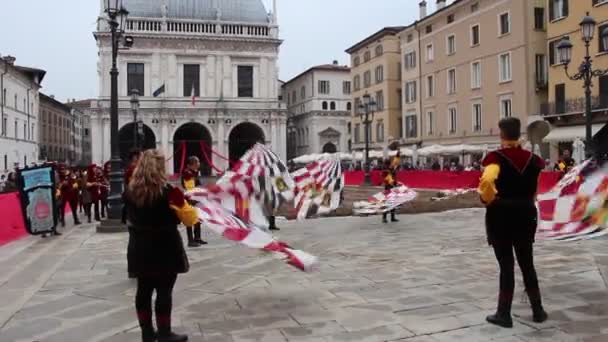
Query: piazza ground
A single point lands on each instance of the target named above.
(428, 278)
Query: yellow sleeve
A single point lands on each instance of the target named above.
(189, 184)
(487, 188)
(187, 214)
(562, 166)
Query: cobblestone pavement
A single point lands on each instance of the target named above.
(427, 278)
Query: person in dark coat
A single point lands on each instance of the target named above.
(508, 189)
(69, 195)
(156, 253)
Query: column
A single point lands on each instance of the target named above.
(165, 146)
(107, 142)
(96, 139)
(221, 146)
(272, 136)
(282, 140)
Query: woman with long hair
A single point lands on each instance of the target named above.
(156, 252)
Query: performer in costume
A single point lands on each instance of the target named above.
(94, 190)
(85, 198)
(156, 253)
(390, 181)
(103, 178)
(59, 169)
(68, 189)
(508, 189)
(566, 163)
(190, 181)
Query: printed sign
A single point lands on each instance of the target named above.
(38, 199)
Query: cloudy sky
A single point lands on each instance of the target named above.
(56, 35)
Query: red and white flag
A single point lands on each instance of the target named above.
(385, 201)
(319, 188)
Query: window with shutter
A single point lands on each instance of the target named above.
(603, 88)
(601, 29)
(560, 98)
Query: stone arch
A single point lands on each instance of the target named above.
(190, 135)
(242, 137)
(332, 105)
(127, 136)
(329, 148)
(324, 105)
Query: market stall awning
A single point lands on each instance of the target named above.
(570, 133)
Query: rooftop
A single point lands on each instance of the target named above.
(386, 31)
(251, 11)
(326, 67)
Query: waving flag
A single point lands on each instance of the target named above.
(385, 201)
(319, 188)
(260, 162)
(577, 207)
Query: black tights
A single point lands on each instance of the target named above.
(524, 253)
(163, 285)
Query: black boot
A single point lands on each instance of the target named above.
(148, 335)
(502, 317)
(171, 337)
(197, 235)
(191, 241)
(164, 330)
(393, 217)
(272, 223)
(539, 315)
(384, 220)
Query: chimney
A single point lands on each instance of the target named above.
(10, 60)
(335, 62)
(440, 4)
(422, 5)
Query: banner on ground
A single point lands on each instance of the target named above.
(385, 201)
(577, 207)
(37, 194)
(318, 188)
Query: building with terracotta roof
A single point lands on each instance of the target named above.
(319, 106)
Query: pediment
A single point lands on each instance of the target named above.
(329, 132)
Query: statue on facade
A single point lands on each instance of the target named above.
(164, 10)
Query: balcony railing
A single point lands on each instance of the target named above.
(573, 106)
(199, 27)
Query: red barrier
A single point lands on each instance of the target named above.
(12, 226)
(440, 180)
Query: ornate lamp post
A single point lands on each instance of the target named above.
(116, 18)
(366, 109)
(585, 72)
(135, 108)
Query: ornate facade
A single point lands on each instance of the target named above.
(207, 74)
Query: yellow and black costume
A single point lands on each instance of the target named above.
(190, 181)
(390, 181)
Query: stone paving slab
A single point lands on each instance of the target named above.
(428, 278)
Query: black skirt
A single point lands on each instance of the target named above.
(154, 251)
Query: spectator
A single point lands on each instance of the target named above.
(11, 183)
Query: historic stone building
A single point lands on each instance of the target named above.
(56, 140)
(207, 74)
(319, 106)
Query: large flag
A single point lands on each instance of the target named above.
(577, 207)
(385, 201)
(319, 188)
(261, 163)
(159, 91)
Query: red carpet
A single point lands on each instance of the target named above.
(12, 226)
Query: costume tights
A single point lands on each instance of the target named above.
(163, 285)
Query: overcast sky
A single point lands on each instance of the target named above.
(56, 35)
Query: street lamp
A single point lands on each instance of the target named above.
(585, 72)
(116, 19)
(135, 108)
(365, 109)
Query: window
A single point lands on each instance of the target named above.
(357, 104)
(451, 81)
(411, 129)
(380, 101)
(410, 37)
(4, 96)
(366, 56)
(451, 45)
(477, 117)
(192, 73)
(560, 98)
(135, 78)
(558, 9)
(476, 75)
(399, 71)
(430, 123)
(348, 127)
(450, 18)
(379, 74)
(245, 80)
(357, 133)
(429, 29)
(380, 131)
(346, 87)
(475, 7)
(16, 131)
(504, 65)
(601, 47)
(303, 92)
(603, 89)
(400, 98)
(15, 104)
(452, 120)
(379, 50)
(332, 105)
(349, 107)
(410, 92)
(430, 86)
(541, 70)
(357, 61)
(400, 121)
(24, 131)
(475, 35)
(367, 79)
(430, 55)
(506, 108)
(293, 96)
(539, 18)
(553, 53)
(4, 126)
(410, 60)
(323, 87)
(357, 82)
(505, 23)
(324, 105)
